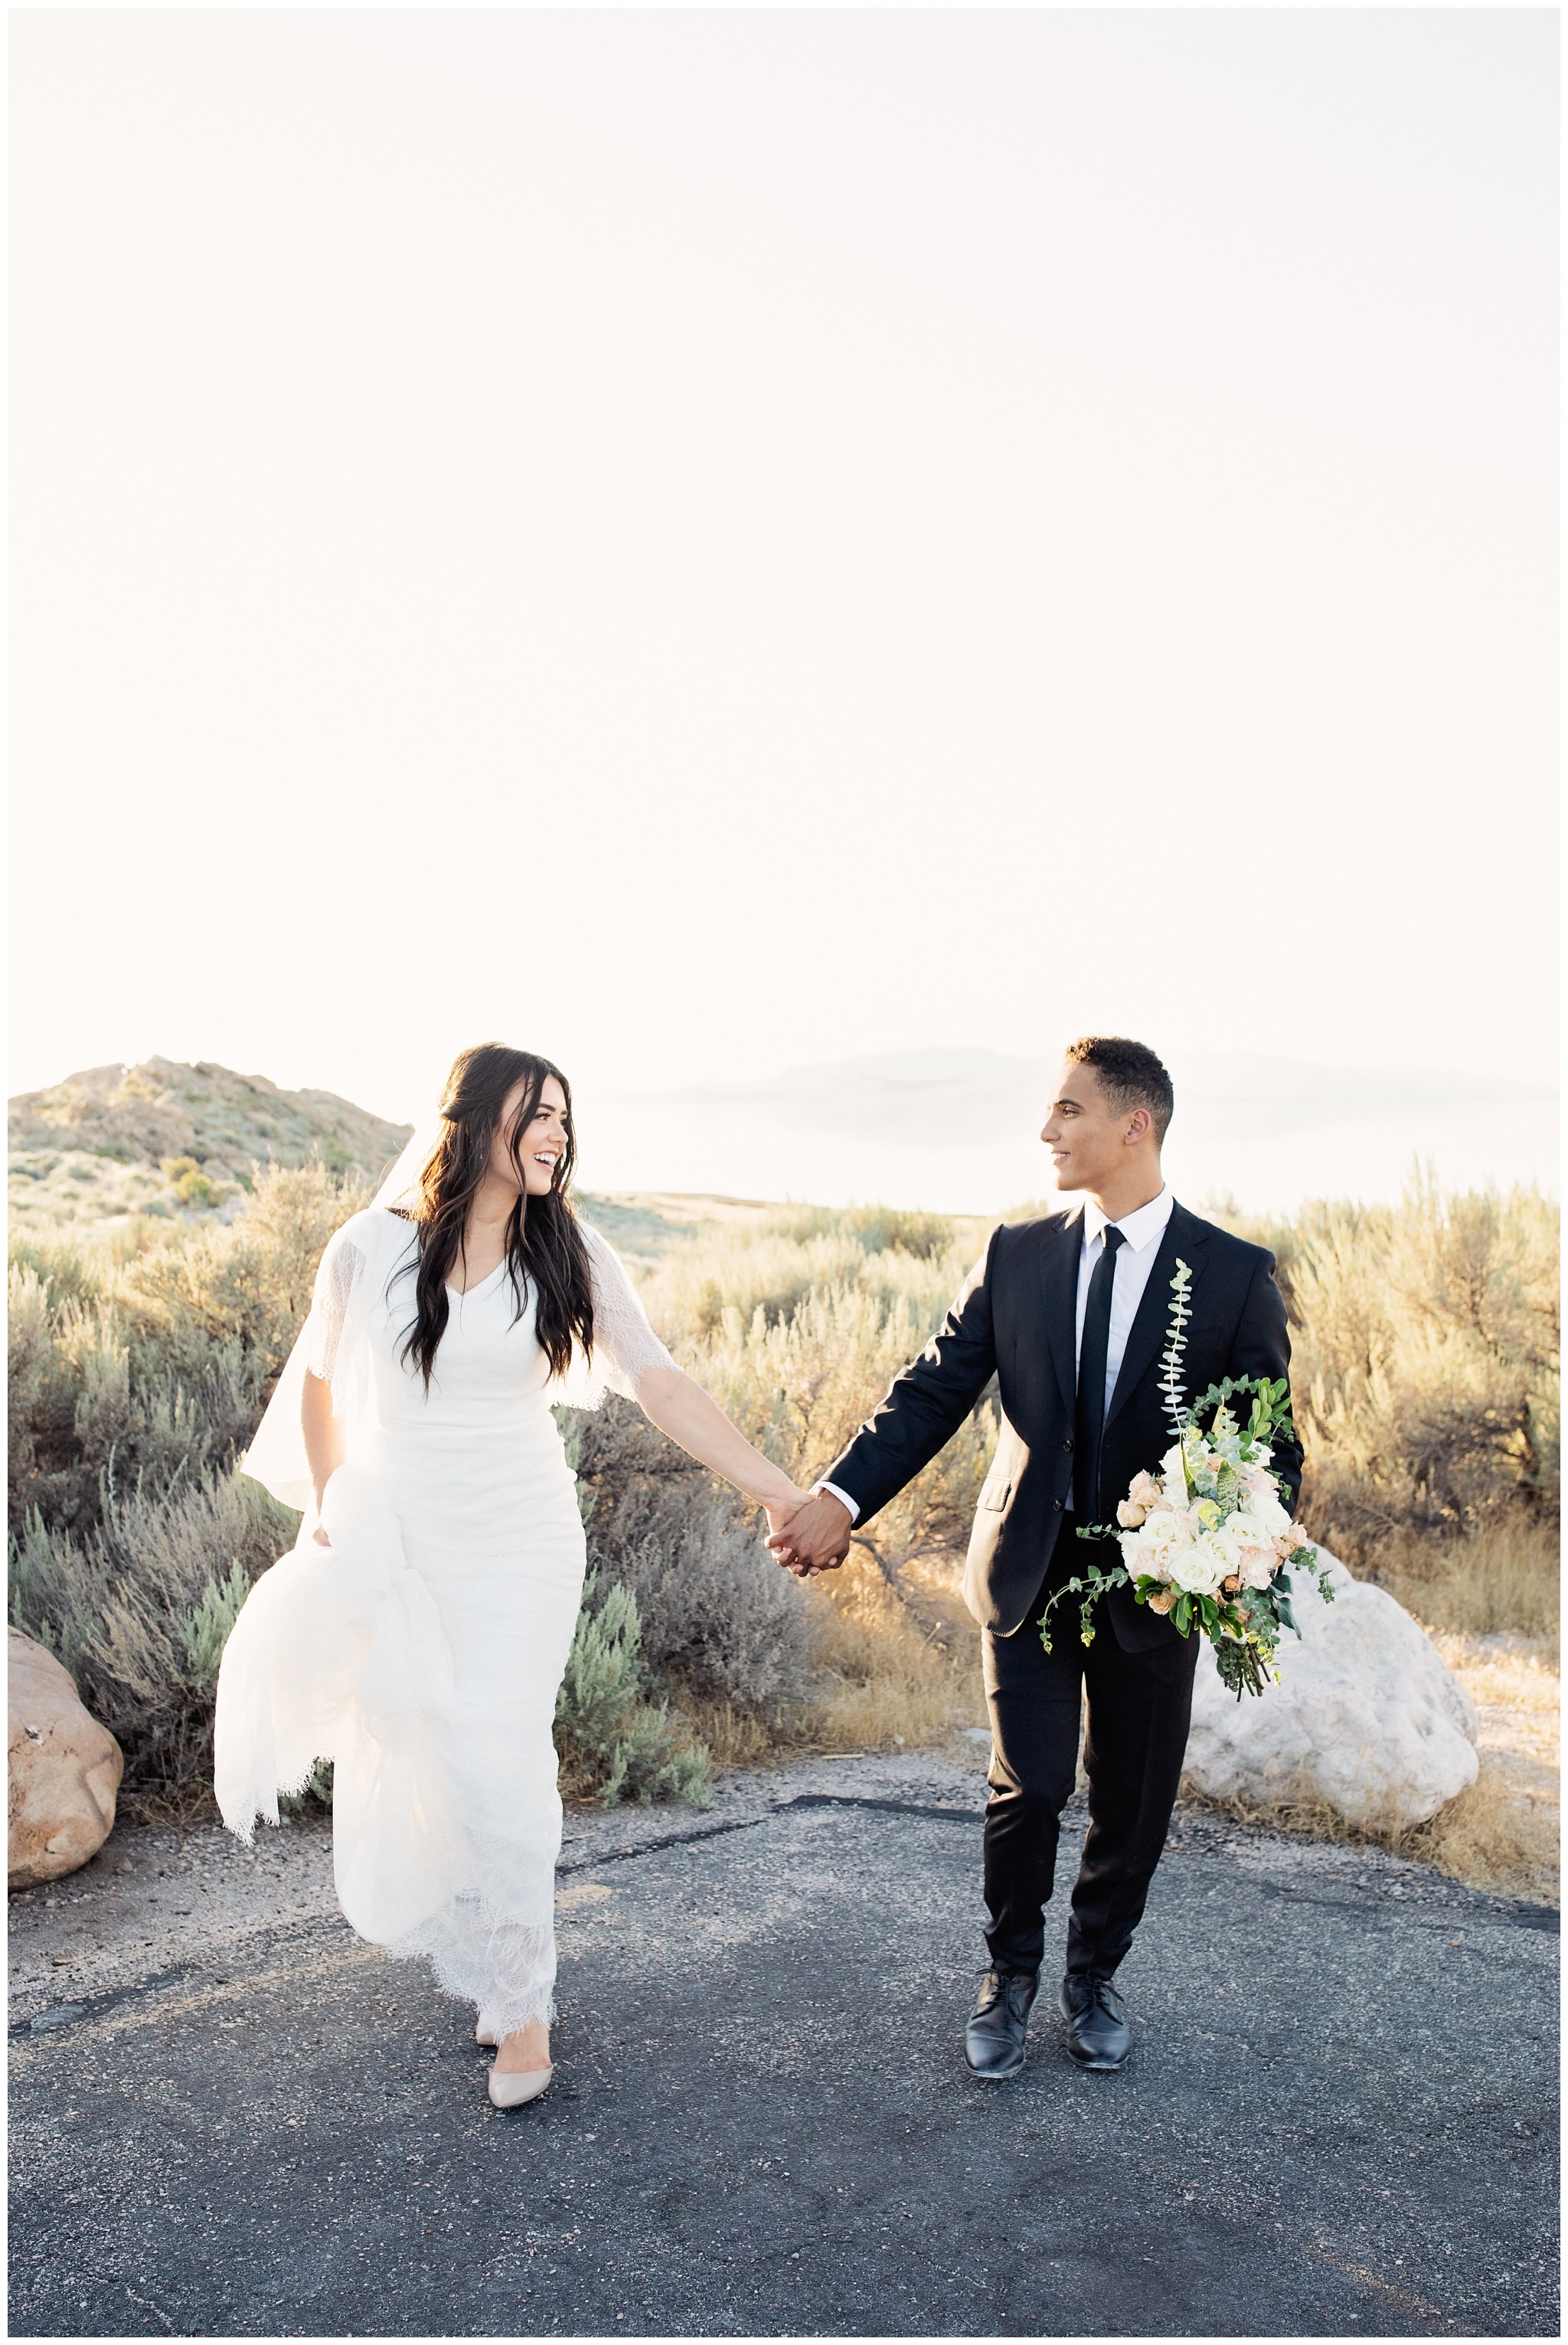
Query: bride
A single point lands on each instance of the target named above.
(417, 1632)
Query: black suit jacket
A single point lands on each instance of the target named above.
(1015, 1317)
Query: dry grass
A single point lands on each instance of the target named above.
(1494, 1838)
(1504, 1578)
(1426, 1360)
(1491, 1605)
(1505, 1834)
(892, 1672)
(898, 1672)
(733, 1738)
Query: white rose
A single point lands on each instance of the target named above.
(1173, 1472)
(1132, 1544)
(1262, 1508)
(1148, 1552)
(1199, 1567)
(1142, 1555)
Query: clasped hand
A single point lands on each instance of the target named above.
(811, 1537)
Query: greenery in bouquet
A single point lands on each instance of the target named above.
(1207, 1539)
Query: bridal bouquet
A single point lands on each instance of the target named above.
(1207, 1539)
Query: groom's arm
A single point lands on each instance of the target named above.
(924, 1407)
(1261, 1347)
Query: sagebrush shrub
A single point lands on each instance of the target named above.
(719, 1616)
(1426, 1362)
(154, 1363)
(771, 1266)
(800, 1387)
(1425, 1370)
(138, 1609)
(612, 1737)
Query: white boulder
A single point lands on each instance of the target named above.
(64, 1769)
(1365, 1716)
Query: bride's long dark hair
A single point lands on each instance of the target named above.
(545, 1245)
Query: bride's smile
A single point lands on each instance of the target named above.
(537, 1151)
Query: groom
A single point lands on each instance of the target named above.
(1069, 1313)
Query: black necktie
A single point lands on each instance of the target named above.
(1089, 1417)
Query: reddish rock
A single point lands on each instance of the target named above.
(65, 1770)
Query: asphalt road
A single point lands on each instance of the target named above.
(1339, 2118)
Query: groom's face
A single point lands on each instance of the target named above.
(1087, 1136)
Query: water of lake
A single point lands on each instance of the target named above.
(969, 1148)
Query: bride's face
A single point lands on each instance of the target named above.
(543, 1143)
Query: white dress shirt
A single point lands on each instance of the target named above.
(1141, 1233)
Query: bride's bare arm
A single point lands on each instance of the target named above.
(323, 1439)
(645, 1372)
(670, 1400)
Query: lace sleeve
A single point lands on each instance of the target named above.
(340, 1267)
(624, 1345)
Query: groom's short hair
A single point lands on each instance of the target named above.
(1129, 1075)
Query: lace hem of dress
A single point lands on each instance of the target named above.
(263, 1806)
(505, 1969)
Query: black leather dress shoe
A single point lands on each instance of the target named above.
(1098, 2034)
(994, 2039)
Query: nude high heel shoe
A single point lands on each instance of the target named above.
(483, 2034)
(509, 2088)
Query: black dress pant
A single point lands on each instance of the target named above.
(1139, 1708)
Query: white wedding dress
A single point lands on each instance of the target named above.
(422, 1651)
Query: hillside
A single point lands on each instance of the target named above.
(168, 1139)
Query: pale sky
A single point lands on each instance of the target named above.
(698, 542)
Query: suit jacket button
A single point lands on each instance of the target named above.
(1057, 1505)
(1068, 1442)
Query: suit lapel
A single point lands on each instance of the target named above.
(1059, 1288)
(1184, 1236)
